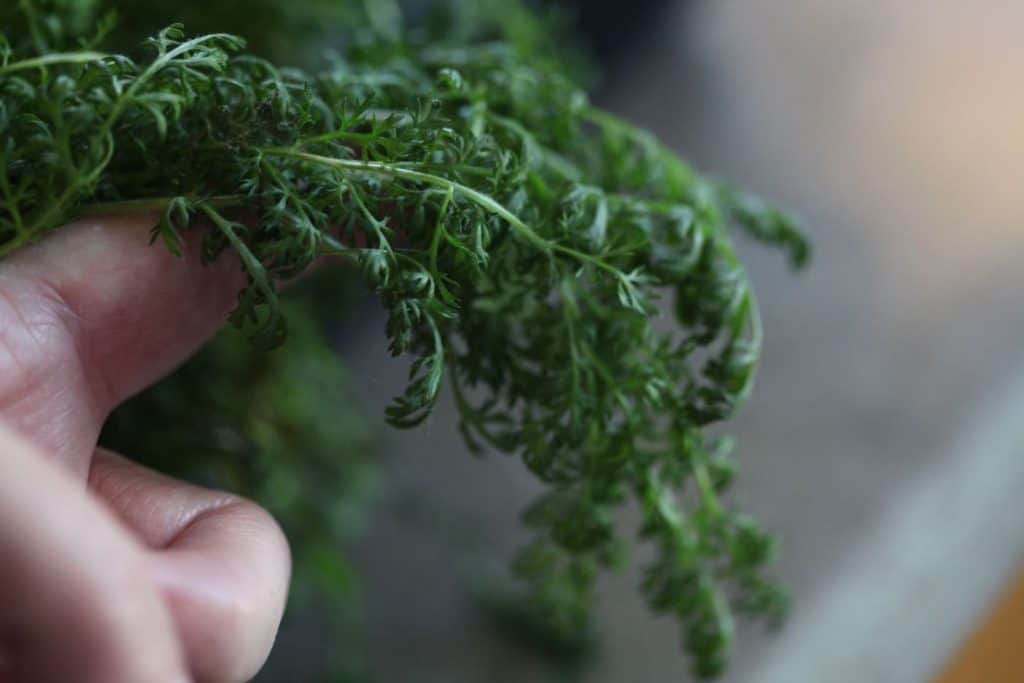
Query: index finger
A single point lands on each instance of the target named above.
(222, 562)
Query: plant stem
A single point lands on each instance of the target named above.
(50, 59)
(379, 168)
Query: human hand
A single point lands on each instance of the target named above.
(111, 572)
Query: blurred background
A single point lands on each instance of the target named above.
(885, 440)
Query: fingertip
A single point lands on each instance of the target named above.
(221, 561)
(226, 579)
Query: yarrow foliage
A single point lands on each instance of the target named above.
(521, 240)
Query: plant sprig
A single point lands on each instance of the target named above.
(521, 240)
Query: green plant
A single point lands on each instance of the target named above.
(519, 238)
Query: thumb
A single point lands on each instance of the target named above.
(93, 314)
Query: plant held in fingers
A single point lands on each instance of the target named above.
(519, 238)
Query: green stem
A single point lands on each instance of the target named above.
(52, 59)
(405, 173)
(606, 375)
(154, 68)
(47, 220)
(488, 203)
(336, 248)
(705, 487)
(375, 224)
(252, 264)
(749, 317)
(435, 246)
(569, 311)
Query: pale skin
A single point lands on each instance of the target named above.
(110, 572)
